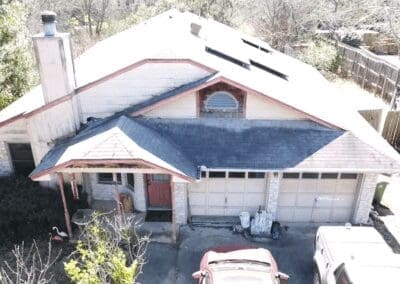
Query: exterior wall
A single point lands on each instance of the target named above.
(14, 132)
(273, 185)
(5, 162)
(179, 202)
(47, 127)
(184, 107)
(258, 108)
(107, 191)
(135, 86)
(365, 197)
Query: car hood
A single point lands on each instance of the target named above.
(242, 276)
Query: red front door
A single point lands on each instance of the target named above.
(159, 190)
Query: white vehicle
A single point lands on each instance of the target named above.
(353, 255)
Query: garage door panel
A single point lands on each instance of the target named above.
(233, 211)
(235, 185)
(324, 200)
(287, 199)
(198, 187)
(285, 214)
(343, 200)
(197, 199)
(216, 185)
(341, 214)
(256, 186)
(289, 185)
(253, 199)
(302, 214)
(216, 199)
(316, 200)
(321, 214)
(305, 199)
(216, 211)
(234, 200)
(198, 210)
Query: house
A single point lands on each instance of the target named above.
(190, 115)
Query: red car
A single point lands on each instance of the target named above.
(239, 265)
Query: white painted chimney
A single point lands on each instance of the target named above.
(54, 58)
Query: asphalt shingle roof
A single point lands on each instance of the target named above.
(184, 145)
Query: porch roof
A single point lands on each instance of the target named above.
(181, 146)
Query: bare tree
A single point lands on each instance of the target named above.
(30, 267)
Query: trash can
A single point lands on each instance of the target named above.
(380, 191)
(245, 219)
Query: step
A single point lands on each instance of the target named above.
(215, 221)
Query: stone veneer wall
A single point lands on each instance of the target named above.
(365, 197)
(5, 163)
(179, 202)
(273, 184)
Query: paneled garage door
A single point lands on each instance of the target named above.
(316, 197)
(227, 194)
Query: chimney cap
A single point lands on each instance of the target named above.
(195, 28)
(48, 17)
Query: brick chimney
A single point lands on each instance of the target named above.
(54, 59)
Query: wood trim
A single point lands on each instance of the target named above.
(244, 112)
(12, 119)
(64, 165)
(197, 94)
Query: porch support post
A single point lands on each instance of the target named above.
(64, 201)
(117, 198)
(179, 207)
(367, 186)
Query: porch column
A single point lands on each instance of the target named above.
(273, 185)
(367, 186)
(179, 207)
(64, 201)
(117, 197)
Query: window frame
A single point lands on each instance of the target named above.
(237, 175)
(99, 181)
(255, 175)
(215, 174)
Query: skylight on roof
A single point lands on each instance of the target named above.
(269, 70)
(256, 46)
(227, 57)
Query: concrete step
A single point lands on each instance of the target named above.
(215, 221)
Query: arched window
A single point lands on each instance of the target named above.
(222, 101)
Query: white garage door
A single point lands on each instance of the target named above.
(227, 194)
(314, 197)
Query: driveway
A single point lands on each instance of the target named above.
(175, 264)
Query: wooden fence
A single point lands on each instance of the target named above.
(371, 72)
(391, 129)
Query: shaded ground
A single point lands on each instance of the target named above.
(57, 269)
(175, 264)
(380, 226)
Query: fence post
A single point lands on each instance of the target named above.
(394, 94)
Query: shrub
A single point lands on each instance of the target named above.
(28, 210)
(321, 55)
(350, 37)
(108, 251)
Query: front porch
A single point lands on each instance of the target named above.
(156, 197)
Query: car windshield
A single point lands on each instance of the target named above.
(232, 273)
(240, 265)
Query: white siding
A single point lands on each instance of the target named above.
(259, 108)
(135, 86)
(46, 127)
(183, 107)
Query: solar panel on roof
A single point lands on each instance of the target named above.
(227, 57)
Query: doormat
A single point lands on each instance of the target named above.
(159, 216)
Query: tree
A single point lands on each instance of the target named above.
(17, 73)
(108, 251)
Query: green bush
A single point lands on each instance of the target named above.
(321, 55)
(28, 210)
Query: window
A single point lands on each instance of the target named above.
(291, 175)
(22, 158)
(222, 101)
(237, 175)
(310, 175)
(216, 174)
(256, 175)
(348, 176)
(329, 175)
(130, 180)
(203, 174)
(160, 178)
(107, 178)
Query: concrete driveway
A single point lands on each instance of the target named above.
(175, 264)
